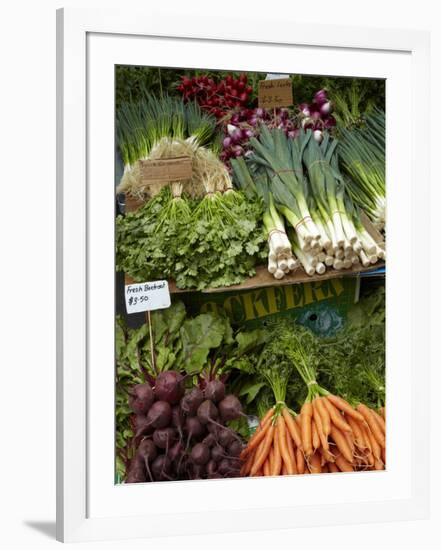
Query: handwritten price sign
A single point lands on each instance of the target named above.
(166, 170)
(275, 93)
(147, 296)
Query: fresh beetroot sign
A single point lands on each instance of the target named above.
(147, 296)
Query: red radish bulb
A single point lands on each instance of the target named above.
(163, 437)
(321, 97)
(200, 454)
(214, 390)
(318, 136)
(326, 108)
(304, 109)
(307, 123)
(194, 428)
(329, 122)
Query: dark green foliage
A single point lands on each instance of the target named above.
(352, 364)
(222, 244)
(133, 82)
(216, 244)
(150, 241)
(270, 374)
(354, 98)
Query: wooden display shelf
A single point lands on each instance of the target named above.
(263, 278)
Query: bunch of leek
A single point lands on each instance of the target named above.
(362, 152)
(304, 184)
(281, 259)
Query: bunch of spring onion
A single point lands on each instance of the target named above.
(281, 259)
(309, 191)
(157, 128)
(141, 125)
(362, 152)
(343, 239)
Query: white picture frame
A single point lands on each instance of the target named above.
(89, 505)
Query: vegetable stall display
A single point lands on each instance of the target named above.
(204, 233)
(283, 193)
(189, 403)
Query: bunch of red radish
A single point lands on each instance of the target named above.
(230, 101)
(244, 124)
(182, 434)
(217, 97)
(317, 115)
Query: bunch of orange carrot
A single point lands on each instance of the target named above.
(328, 435)
(275, 448)
(337, 437)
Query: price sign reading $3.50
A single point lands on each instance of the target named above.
(147, 296)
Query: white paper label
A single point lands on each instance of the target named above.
(276, 76)
(147, 296)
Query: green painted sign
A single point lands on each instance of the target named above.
(320, 305)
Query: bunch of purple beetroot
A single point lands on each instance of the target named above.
(183, 434)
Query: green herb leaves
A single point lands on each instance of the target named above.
(213, 242)
(223, 242)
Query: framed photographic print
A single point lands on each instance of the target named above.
(241, 327)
